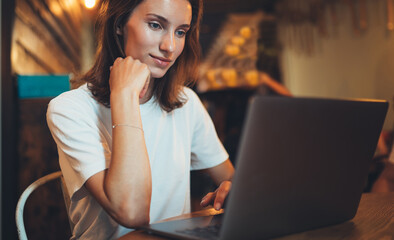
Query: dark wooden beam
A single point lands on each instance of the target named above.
(225, 6)
(36, 58)
(71, 33)
(8, 128)
(68, 50)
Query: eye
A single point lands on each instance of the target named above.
(180, 33)
(154, 25)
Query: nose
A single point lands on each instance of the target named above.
(168, 42)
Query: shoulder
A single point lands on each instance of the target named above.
(188, 91)
(77, 103)
(193, 105)
(73, 99)
(190, 97)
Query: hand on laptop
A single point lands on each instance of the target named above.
(217, 198)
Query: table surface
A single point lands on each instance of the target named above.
(374, 220)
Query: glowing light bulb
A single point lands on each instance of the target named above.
(90, 3)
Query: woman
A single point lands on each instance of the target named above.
(128, 139)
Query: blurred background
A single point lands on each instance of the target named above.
(313, 48)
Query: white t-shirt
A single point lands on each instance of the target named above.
(177, 142)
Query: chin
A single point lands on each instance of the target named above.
(158, 73)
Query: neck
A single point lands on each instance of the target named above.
(149, 93)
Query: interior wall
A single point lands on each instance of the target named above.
(8, 151)
(343, 64)
(46, 39)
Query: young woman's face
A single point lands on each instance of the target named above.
(155, 33)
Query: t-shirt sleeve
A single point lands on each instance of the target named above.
(82, 148)
(207, 150)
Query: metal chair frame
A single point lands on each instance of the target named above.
(25, 195)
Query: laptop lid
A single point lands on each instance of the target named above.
(302, 163)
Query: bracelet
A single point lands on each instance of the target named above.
(126, 125)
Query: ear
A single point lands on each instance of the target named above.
(119, 30)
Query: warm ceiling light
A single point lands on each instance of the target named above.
(90, 3)
(55, 8)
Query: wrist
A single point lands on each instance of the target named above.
(124, 96)
(124, 107)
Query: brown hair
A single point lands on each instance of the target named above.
(115, 13)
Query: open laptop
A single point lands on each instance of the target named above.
(302, 164)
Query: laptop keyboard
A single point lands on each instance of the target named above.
(208, 232)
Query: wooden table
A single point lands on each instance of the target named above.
(374, 220)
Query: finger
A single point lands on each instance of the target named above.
(116, 62)
(221, 194)
(130, 58)
(207, 199)
(118, 59)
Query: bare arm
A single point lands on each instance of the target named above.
(274, 85)
(385, 181)
(221, 175)
(124, 189)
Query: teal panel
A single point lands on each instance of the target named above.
(42, 86)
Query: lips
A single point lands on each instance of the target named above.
(161, 62)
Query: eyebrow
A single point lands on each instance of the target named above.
(163, 19)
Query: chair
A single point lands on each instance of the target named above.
(25, 195)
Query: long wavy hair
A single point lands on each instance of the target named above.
(167, 90)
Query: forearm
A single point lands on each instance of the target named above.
(222, 176)
(222, 172)
(128, 183)
(274, 85)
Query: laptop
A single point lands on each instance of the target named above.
(302, 164)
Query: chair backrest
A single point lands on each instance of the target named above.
(25, 195)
